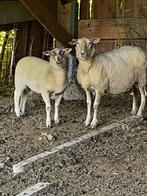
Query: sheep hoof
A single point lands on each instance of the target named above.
(139, 114)
(23, 114)
(93, 124)
(58, 122)
(133, 112)
(48, 124)
(86, 123)
(18, 113)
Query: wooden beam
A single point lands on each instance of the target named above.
(41, 12)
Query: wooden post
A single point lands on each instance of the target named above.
(74, 19)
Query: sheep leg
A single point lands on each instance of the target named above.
(46, 99)
(23, 100)
(143, 100)
(134, 105)
(17, 96)
(95, 107)
(57, 102)
(88, 117)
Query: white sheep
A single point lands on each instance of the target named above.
(116, 71)
(46, 78)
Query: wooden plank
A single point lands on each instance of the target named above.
(35, 189)
(144, 12)
(113, 29)
(84, 9)
(103, 9)
(35, 39)
(108, 45)
(22, 40)
(27, 164)
(41, 12)
(134, 8)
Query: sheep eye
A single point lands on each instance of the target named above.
(53, 53)
(60, 52)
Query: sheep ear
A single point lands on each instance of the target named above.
(67, 50)
(95, 40)
(46, 53)
(73, 42)
(49, 52)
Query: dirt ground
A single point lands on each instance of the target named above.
(113, 164)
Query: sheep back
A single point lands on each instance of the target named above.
(124, 67)
(115, 71)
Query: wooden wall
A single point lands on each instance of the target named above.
(116, 22)
(29, 39)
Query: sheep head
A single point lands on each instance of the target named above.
(84, 47)
(58, 56)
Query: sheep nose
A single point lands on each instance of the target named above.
(83, 53)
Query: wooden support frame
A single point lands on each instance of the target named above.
(47, 20)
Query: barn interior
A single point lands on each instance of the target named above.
(29, 28)
(113, 158)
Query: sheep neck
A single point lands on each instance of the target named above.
(84, 65)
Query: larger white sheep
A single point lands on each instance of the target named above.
(46, 78)
(116, 71)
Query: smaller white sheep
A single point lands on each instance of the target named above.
(116, 71)
(46, 78)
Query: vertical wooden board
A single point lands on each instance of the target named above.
(134, 8)
(103, 9)
(84, 9)
(36, 39)
(22, 40)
